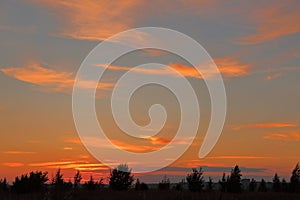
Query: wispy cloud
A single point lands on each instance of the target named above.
(145, 144)
(49, 79)
(274, 21)
(273, 76)
(19, 152)
(228, 67)
(13, 164)
(265, 125)
(92, 20)
(77, 165)
(292, 135)
(239, 157)
(38, 75)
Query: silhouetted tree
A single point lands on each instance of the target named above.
(195, 180)
(295, 179)
(32, 183)
(164, 184)
(59, 186)
(262, 186)
(3, 185)
(58, 181)
(276, 183)
(92, 184)
(284, 185)
(120, 178)
(234, 183)
(140, 186)
(223, 183)
(77, 179)
(179, 185)
(137, 184)
(252, 185)
(210, 184)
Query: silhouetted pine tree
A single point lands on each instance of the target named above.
(223, 183)
(252, 185)
(276, 183)
(92, 184)
(77, 179)
(262, 186)
(284, 185)
(32, 183)
(58, 186)
(234, 183)
(295, 179)
(195, 180)
(120, 178)
(3, 185)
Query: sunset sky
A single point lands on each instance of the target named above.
(255, 44)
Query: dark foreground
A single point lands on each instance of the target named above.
(156, 195)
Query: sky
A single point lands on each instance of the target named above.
(255, 45)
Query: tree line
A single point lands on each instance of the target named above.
(121, 178)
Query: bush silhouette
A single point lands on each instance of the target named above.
(164, 184)
(140, 186)
(210, 184)
(34, 182)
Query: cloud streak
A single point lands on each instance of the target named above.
(19, 152)
(292, 135)
(265, 125)
(274, 21)
(77, 165)
(92, 20)
(49, 79)
(13, 164)
(228, 66)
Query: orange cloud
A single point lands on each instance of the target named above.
(274, 125)
(265, 125)
(275, 21)
(93, 19)
(152, 143)
(228, 67)
(77, 165)
(273, 76)
(134, 147)
(238, 157)
(73, 140)
(231, 67)
(13, 164)
(59, 81)
(38, 75)
(19, 152)
(284, 136)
